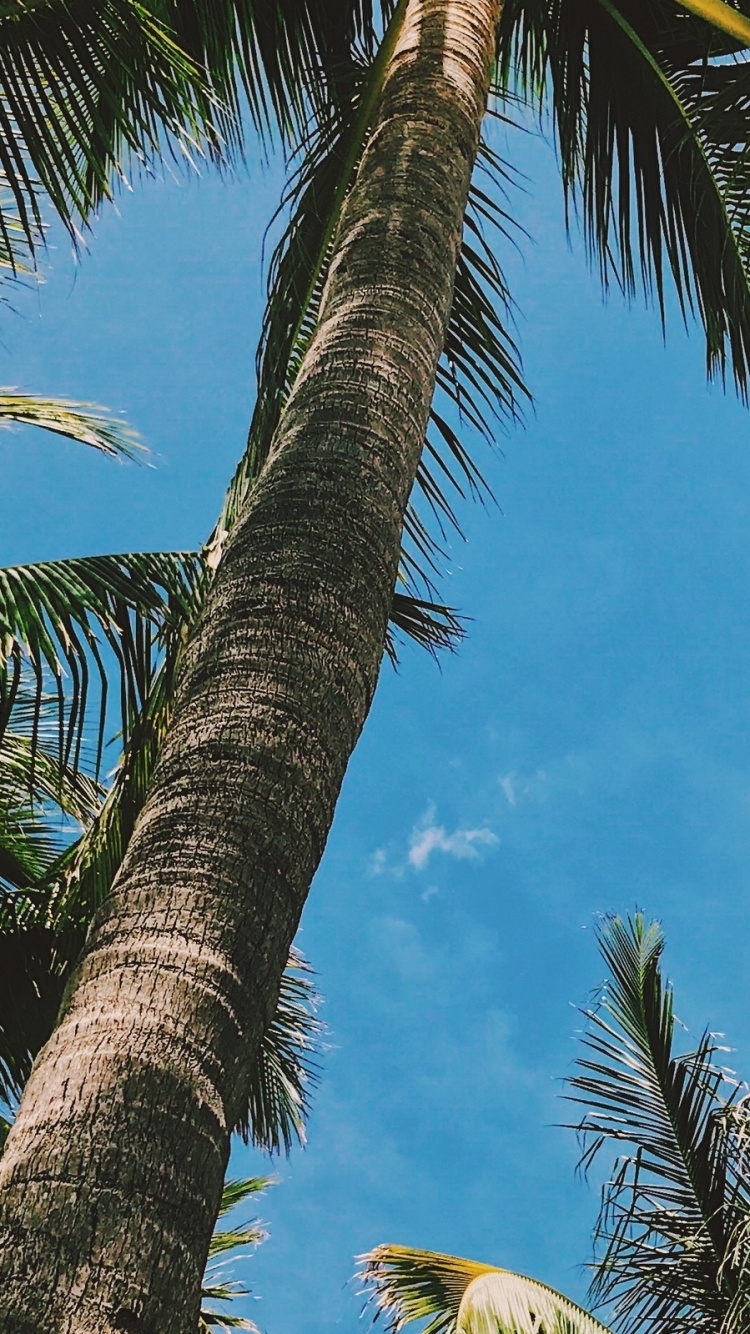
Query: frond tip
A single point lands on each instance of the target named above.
(465, 1297)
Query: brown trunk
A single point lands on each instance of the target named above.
(112, 1175)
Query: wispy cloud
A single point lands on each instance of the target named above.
(428, 838)
(516, 789)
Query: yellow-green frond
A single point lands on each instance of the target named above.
(506, 1303)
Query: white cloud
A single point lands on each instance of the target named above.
(506, 784)
(462, 843)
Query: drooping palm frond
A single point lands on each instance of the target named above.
(651, 106)
(32, 782)
(673, 1226)
(58, 616)
(463, 1297)
(285, 1071)
(85, 88)
(78, 421)
(218, 1285)
(89, 88)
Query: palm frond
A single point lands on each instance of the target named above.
(674, 1218)
(78, 421)
(58, 616)
(285, 1071)
(282, 57)
(217, 1287)
(88, 88)
(463, 1297)
(652, 114)
(40, 801)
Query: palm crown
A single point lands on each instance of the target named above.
(673, 1233)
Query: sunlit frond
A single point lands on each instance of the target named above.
(463, 1297)
(78, 421)
(218, 1286)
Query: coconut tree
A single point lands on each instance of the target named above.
(143, 1079)
(673, 1233)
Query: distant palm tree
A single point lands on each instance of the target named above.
(457, 1296)
(674, 1228)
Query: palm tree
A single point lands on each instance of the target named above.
(673, 1234)
(144, 1077)
(674, 1227)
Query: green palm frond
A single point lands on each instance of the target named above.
(673, 1225)
(216, 1286)
(282, 57)
(652, 114)
(58, 616)
(463, 1297)
(406, 1284)
(285, 1071)
(32, 785)
(78, 421)
(87, 88)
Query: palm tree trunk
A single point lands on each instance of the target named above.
(112, 1175)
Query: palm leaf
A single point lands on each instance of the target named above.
(89, 88)
(674, 1218)
(78, 421)
(57, 616)
(85, 88)
(652, 116)
(32, 786)
(463, 1297)
(216, 1287)
(285, 1071)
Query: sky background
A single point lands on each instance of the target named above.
(586, 751)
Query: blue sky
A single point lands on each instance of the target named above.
(587, 750)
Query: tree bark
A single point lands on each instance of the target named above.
(112, 1175)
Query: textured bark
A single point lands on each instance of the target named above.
(113, 1172)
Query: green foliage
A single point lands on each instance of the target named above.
(218, 1286)
(53, 614)
(674, 1226)
(651, 108)
(90, 89)
(85, 87)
